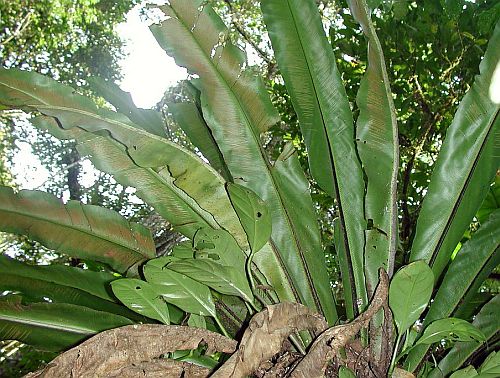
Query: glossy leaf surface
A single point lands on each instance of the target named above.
(237, 108)
(37, 290)
(409, 294)
(488, 321)
(221, 278)
(95, 283)
(308, 67)
(141, 297)
(219, 246)
(53, 326)
(253, 214)
(452, 329)
(472, 265)
(178, 289)
(78, 230)
(378, 146)
(466, 165)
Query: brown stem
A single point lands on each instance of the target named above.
(329, 343)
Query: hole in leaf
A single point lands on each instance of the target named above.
(259, 214)
(370, 224)
(137, 288)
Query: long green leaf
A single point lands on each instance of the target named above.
(488, 321)
(477, 258)
(236, 107)
(75, 229)
(308, 66)
(224, 279)
(378, 146)
(409, 294)
(490, 368)
(95, 283)
(465, 167)
(53, 326)
(180, 290)
(141, 297)
(178, 168)
(185, 215)
(43, 291)
(190, 119)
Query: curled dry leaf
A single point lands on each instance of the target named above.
(328, 344)
(134, 350)
(265, 336)
(400, 373)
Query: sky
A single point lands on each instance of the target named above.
(147, 72)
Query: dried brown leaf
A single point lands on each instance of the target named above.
(328, 344)
(122, 351)
(266, 334)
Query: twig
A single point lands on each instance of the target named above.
(20, 28)
(246, 36)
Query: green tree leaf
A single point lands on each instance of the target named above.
(54, 326)
(219, 246)
(37, 290)
(473, 263)
(178, 289)
(237, 108)
(95, 283)
(452, 329)
(409, 293)
(309, 69)
(488, 321)
(224, 279)
(78, 230)
(141, 297)
(253, 214)
(378, 147)
(466, 165)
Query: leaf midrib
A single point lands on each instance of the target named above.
(268, 173)
(346, 238)
(40, 324)
(64, 225)
(460, 196)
